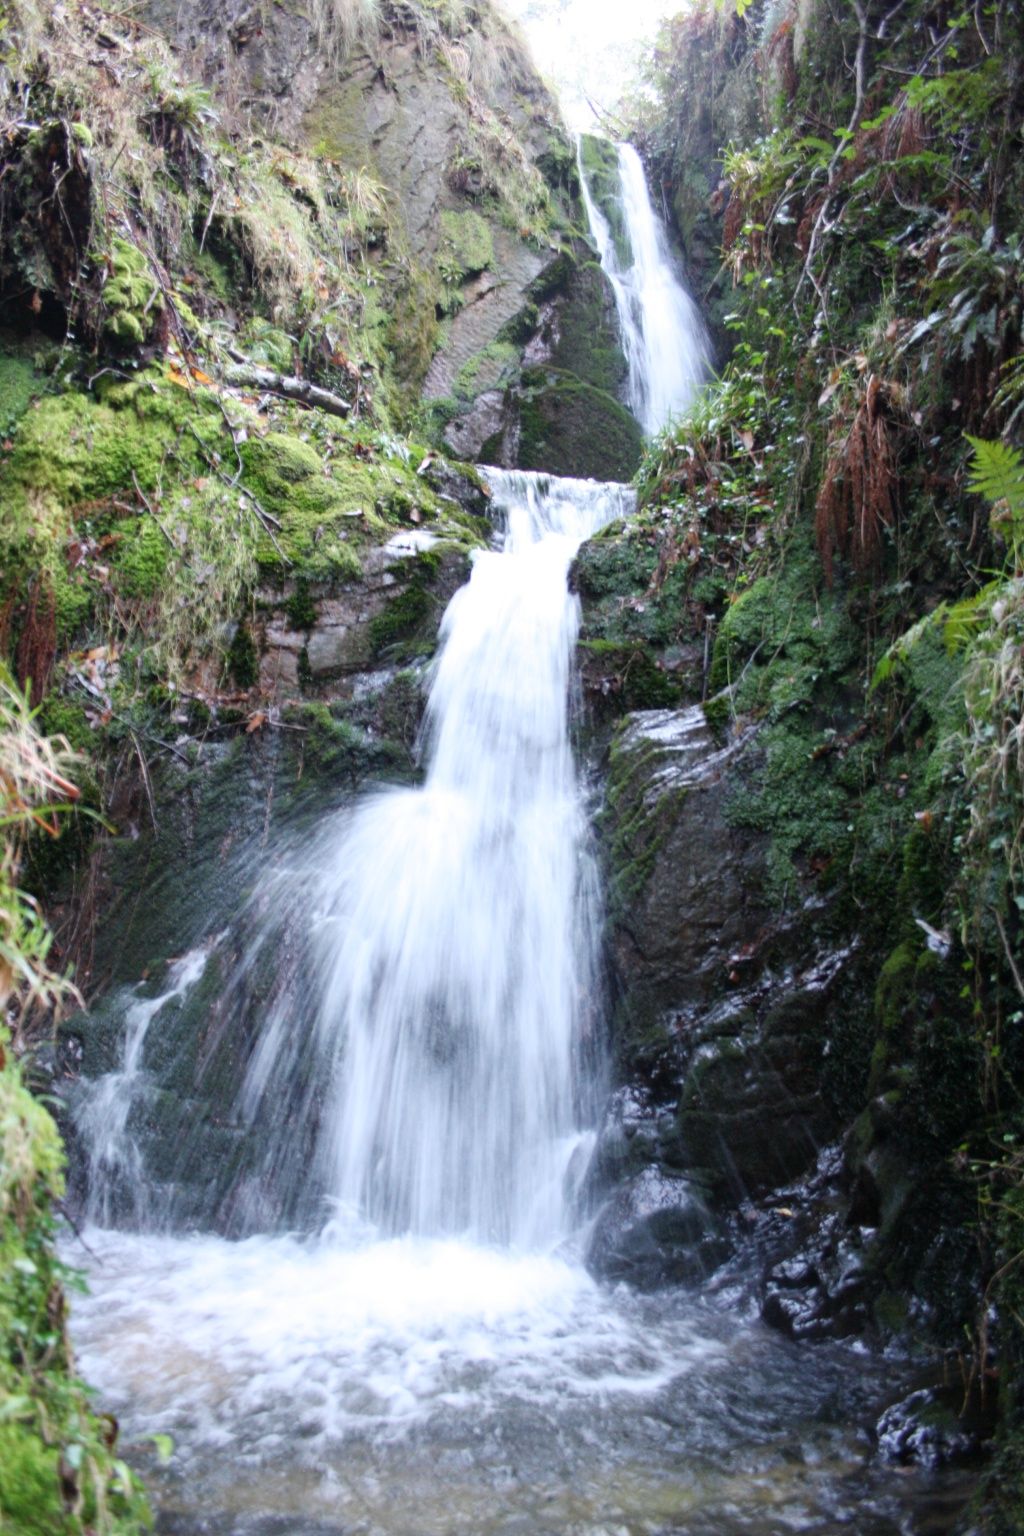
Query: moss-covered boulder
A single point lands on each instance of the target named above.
(570, 428)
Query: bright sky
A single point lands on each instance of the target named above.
(588, 48)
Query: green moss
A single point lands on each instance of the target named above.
(492, 367)
(570, 428)
(71, 450)
(326, 511)
(265, 343)
(60, 717)
(56, 1465)
(338, 749)
(132, 296)
(141, 557)
(411, 331)
(215, 275)
(588, 339)
(601, 169)
(407, 627)
(636, 825)
(632, 674)
(466, 247)
(74, 456)
(554, 280)
(243, 658)
(318, 513)
(19, 382)
(300, 607)
(401, 620)
(336, 124)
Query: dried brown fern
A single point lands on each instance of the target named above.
(858, 499)
(37, 641)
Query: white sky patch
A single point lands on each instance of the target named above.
(589, 49)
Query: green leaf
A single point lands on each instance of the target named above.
(164, 1447)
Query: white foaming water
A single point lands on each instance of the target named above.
(663, 336)
(460, 928)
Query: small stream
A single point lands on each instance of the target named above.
(427, 1354)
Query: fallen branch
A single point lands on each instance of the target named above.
(288, 385)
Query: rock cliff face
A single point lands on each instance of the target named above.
(505, 323)
(721, 1023)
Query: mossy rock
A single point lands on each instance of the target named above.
(407, 627)
(588, 342)
(324, 513)
(568, 427)
(74, 457)
(493, 367)
(467, 245)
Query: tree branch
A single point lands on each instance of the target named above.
(292, 388)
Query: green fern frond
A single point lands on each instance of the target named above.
(997, 473)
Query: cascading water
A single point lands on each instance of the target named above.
(405, 1342)
(663, 335)
(432, 1358)
(462, 932)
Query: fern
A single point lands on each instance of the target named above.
(997, 473)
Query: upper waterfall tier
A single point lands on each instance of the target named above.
(663, 336)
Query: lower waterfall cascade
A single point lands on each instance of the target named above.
(427, 1353)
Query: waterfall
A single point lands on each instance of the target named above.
(415, 981)
(460, 923)
(116, 1173)
(663, 337)
(404, 1340)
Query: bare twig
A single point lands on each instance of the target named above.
(209, 220)
(147, 785)
(1009, 955)
(140, 493)
(246, 498)
(859, 72)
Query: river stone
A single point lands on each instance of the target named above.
(655, 1230)
(925, 1430)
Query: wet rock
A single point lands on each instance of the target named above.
(486, 421)
(459, 483)
(802, 1299)
(655, 1230)
(723, 1012)
(401, 595)
(925, 1430)
(682, 880)
(571, 428)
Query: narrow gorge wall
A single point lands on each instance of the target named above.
(811, 982)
